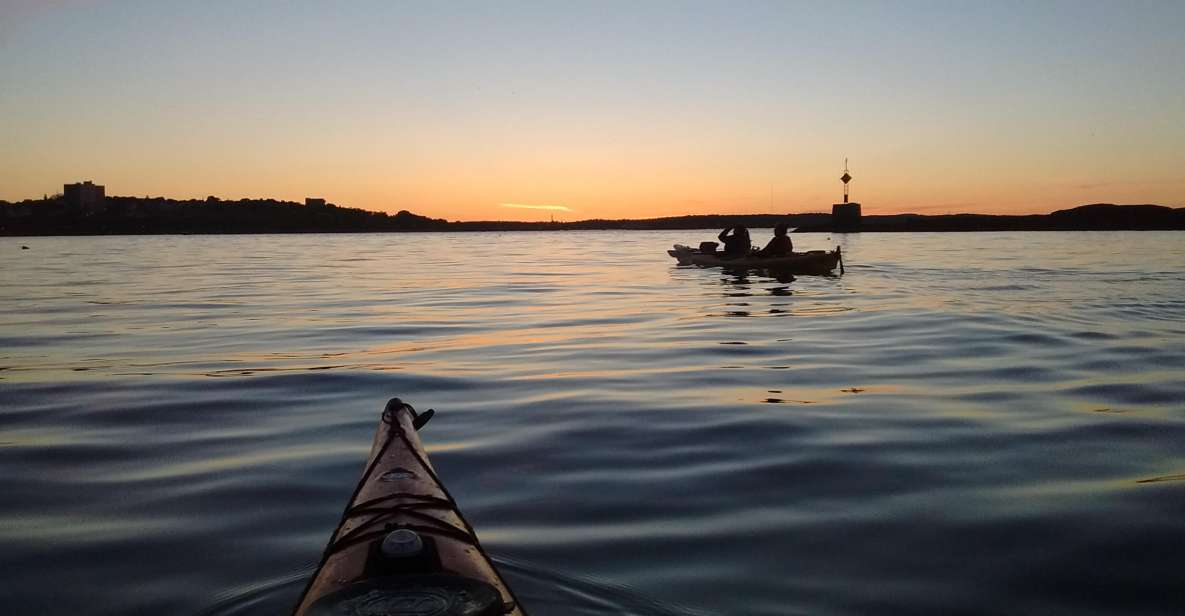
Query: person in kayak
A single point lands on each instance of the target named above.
(780, 244)
(737, 244)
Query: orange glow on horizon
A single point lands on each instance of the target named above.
(590, 179)
(663, 194)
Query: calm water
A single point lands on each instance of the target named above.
(961, 423)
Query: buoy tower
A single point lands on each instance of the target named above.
(845, 216)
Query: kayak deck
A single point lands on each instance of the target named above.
(402, 546)
(813, 262)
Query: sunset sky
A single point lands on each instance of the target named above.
(471, 111)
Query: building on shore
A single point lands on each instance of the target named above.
(845, 216)
(16, 210)
(86, 197)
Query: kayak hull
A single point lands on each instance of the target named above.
(818, 262)
(400, 490)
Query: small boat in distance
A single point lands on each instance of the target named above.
(816, 262)
(402, 547)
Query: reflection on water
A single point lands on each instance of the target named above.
(961, 420)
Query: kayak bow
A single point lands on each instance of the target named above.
(402, 547)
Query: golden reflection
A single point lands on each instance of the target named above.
(1163, 478)
(438, 447)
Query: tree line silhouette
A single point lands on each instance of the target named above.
(147, 215)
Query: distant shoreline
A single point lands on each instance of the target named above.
(156, 216)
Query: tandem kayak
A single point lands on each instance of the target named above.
(402, 547)
(813, 262)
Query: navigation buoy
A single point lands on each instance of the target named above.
(845, 216)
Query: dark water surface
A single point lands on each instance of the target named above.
(971, 423)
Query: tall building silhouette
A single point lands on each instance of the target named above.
(85, 196)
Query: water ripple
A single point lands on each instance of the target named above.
(961, 420)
